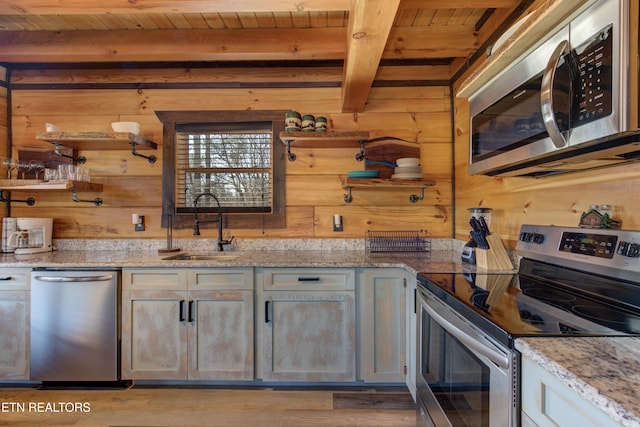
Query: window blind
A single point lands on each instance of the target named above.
(235, 164)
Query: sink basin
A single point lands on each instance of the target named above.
(196, 257)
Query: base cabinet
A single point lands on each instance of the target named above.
(308, 325)
(548, 402)
(201, 330)
(14, 323)
(412, 332)
(382, 325)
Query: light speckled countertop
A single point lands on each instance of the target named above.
(443, 257)
(436, 261)
(604, 371)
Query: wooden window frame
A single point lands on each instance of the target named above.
(274, 219)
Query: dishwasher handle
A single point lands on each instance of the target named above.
(66, 279)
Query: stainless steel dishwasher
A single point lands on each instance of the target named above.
(75, 327)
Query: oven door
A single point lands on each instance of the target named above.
(463, 378)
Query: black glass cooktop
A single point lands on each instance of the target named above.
(508, 306)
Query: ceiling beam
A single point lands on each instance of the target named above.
(370, 23)
(458, 4)
(173, 45)
(83, 7)
(431, 42)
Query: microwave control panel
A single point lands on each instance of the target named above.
(595, 80)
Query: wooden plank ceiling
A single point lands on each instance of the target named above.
(361, 34)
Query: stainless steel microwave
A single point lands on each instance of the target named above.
(571, 104)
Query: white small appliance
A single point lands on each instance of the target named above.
(32, 236)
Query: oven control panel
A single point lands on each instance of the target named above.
(591, 244)
(601, 251)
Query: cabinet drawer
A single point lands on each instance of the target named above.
(157, 278)
(320, 279)
(221, 278)
(15, 279)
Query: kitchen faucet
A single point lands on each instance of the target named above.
(197, 222)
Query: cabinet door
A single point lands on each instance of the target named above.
(221, 335)
(14, 335)
(412, 332)
(548, 402)
(154, 334)
(309, 336)
(382, 325)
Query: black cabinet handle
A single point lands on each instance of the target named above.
(6, 278)
(308, 279)
(181, 314)
(191, 311)
(266, 311)
(415, 301)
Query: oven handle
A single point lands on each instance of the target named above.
(497, 358)
(546, 96)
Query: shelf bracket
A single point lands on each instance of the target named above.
(360, 155)
(152, 158)
(348, 198)
(56, 149)
(413, 198)
(30, 201)
(74, 196)
(290, 155)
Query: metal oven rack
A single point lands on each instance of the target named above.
(398, 241)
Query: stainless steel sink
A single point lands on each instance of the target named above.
(200, 257)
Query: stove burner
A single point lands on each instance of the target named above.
(604, 314)
(549, 294)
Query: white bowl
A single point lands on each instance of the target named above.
(50, 127)
(129, 127)
(408, 161)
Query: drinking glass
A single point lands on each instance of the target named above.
(9, 165)
(23, 167)
(36, 167)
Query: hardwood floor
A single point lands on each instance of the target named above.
(191, 407)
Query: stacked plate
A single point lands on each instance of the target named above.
(364, 174)
(408, 168)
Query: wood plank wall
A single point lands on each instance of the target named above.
(90, 99)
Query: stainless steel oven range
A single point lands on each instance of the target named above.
(570, 282)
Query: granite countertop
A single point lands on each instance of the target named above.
(603, 370)
(435, 261)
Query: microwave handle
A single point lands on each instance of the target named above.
(546, 96)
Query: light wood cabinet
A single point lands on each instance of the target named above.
(14, 323)
(547, 401)
(154, 334)
(412, 332)
(382, 325)
(201, 329)
(308, 325)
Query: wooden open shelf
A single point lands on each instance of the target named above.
(97, 140)
(364, 183)
(37, 185)
(322, 140)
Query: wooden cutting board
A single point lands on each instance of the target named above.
(390, 151)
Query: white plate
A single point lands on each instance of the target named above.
(408, 161)
(402, 170)
(407, 176)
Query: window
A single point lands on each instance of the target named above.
(236, 156)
